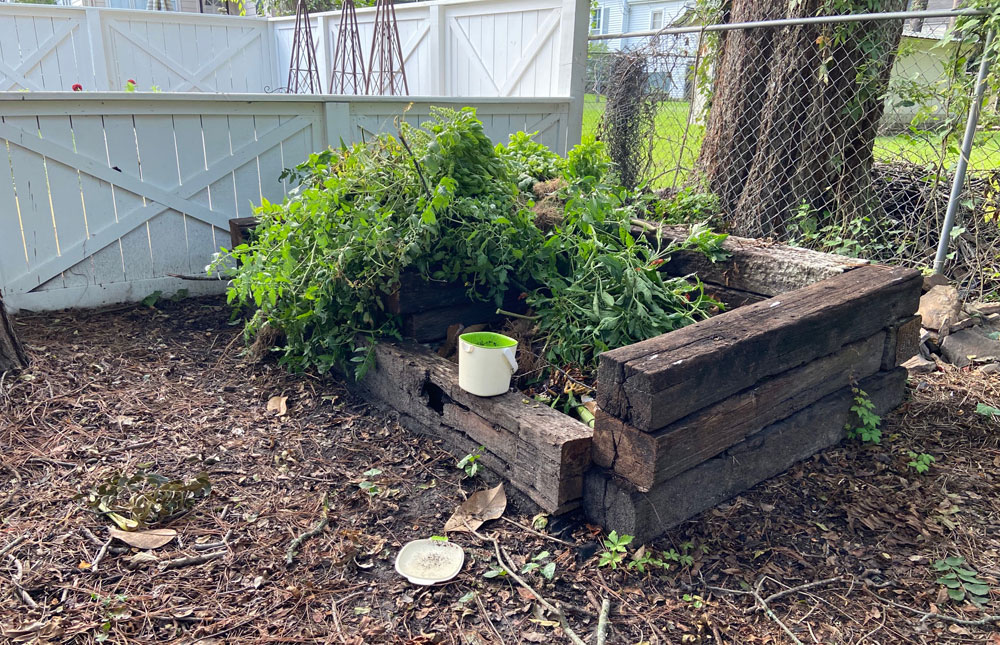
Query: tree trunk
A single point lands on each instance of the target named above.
(12, 354)
(794, 115)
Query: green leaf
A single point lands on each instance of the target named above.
(987, 410)
(957, 595)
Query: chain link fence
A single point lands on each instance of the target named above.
(842, 138)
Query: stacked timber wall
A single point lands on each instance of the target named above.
(690, 418)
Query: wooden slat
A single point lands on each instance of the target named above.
(661, 380)
(647, 458)
(541, 452)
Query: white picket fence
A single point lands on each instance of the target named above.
(450, 48)
(109, 193)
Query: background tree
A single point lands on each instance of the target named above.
(794, 112)
(12, 355)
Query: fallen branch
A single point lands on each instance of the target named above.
(602, 621)
(542, 601)
(191, 560)
(13, 543)
(931, 615)
(808, 585)
(16, 579)
(223, 543)
(311, 533)
(773, 616)
(538, 533)
(100, 555)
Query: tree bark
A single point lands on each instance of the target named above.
(12, 355)
(794, 115)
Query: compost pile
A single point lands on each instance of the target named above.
(441, 200)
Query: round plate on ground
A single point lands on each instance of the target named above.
(428, 562)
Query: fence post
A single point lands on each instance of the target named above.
(438, 33)
(573, 63)
(963, 159)
(99, 58)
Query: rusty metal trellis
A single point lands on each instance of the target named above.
(348, 67)
(386, 72)
(303, 70)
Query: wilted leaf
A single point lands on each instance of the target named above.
(481, 506)
(278, 404)
(152, 539)
(140, 559)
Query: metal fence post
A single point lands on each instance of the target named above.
(963, 160)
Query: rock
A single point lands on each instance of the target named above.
(964, 323)
(919, 365)
(934, 280)
(963, 346)
(992, 368)
(939, 307)
(986, 308)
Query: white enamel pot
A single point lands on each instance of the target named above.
(486, 361)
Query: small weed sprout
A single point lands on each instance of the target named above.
(615, 549)
(546, 569)
(368, 485)
(694, 600)
(919, 462)
(470, 462)
(867, 427)
(962, 584)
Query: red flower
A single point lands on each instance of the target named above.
(657, 262)
(131, 81)
(77, 87)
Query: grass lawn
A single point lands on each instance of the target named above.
(670, 160)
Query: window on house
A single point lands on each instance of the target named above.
(656, 19)
(599, 20)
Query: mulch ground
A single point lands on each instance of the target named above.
(852, 532)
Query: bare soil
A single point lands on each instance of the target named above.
(168, 388)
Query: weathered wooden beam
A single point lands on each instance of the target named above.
(901, 343)
(617, 504)
(648, 458)
(540, 451)
(656, 382)
(756, 266)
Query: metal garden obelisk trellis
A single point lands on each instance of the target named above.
(348, 67)
(303, 70)
(386, 73)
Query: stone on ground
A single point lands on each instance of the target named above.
(939, 307)
(969, 345)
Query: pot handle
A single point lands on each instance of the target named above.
(508, 353)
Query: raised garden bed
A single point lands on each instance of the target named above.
(686, 419)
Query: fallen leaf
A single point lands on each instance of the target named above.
(481, 506)
(278, 404)
(140, 559)
(151, 539)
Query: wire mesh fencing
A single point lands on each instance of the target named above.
(842, 138)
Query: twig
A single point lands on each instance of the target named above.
(930, 615)
(13, 543)
(311, 533)
(808, 585)
(542, 601)
(196, 277)
(100, 555)
(773, 616)
(190, 560)
(16, 579)
(538, 533)
(602, 621)
(511, 314)
(224, 542)
(416, 164)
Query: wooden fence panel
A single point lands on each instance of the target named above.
(104, 196)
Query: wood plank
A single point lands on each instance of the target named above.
(136, 254)
(414, 295)
(756, 266)
(616, 504)
(658, 381)
(647, 458)
(902, 343)
(732, 298)
(167, 231)
(540, 451)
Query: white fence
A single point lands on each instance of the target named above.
(44, 48)
(108, 194)
(451, 48)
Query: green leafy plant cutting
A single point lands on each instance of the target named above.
(144, 499)
(443, 202)
(961, 583)
(919, 462)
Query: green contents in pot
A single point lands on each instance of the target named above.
(488, 339)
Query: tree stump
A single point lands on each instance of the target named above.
(12, 355)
